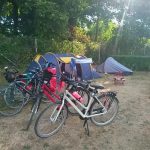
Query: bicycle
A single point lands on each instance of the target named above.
(52, 118)
(22, 88)
(18, 93)
(49, 93)
(28, 87)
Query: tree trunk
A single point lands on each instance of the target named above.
(2, 2)
(15, 16)
(71, 25)
(96, 32)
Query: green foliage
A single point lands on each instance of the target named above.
(105, 31)
(76, 26)
(74, 47)
(18, 49)
(92, 50)
(138, 63)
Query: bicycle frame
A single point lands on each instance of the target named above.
(51, 95)
(27, 81)
(67, 98)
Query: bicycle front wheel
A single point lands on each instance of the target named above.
(107, 109)
(49, 122)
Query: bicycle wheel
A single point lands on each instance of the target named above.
(107, 110)
(85, 100)
(12, 101)
(45, 125)
(34, 111)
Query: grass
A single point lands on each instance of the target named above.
(2, 80)
(85, 147)
(26, 147)
(2, 102)
(45, 145)
(3, 83)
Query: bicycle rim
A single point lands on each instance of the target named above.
(111, 108)
(13, 96)
(45, 126)
(12, 101)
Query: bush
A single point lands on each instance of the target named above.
(138, 63)
(17, 49)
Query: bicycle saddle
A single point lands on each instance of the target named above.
(98, 86)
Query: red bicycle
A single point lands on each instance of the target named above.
(35, 86)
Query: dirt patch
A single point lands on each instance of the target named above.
(129, 131)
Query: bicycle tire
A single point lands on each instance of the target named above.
(12, 101)
(86, 97)
(47, 124)
(104, 119)
(34, 111)
(10, 91)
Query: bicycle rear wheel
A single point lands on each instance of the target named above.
(12, 101)
(45, 126)
(108, 104)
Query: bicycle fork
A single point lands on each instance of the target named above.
(34, 110)
(56, 112)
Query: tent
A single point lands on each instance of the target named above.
(112, 66)
(79, 66)
(37, 62)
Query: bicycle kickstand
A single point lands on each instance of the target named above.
(86, 126)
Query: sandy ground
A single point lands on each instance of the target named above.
(129, 131)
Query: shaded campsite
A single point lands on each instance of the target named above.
(129, 131)
(82, 66)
